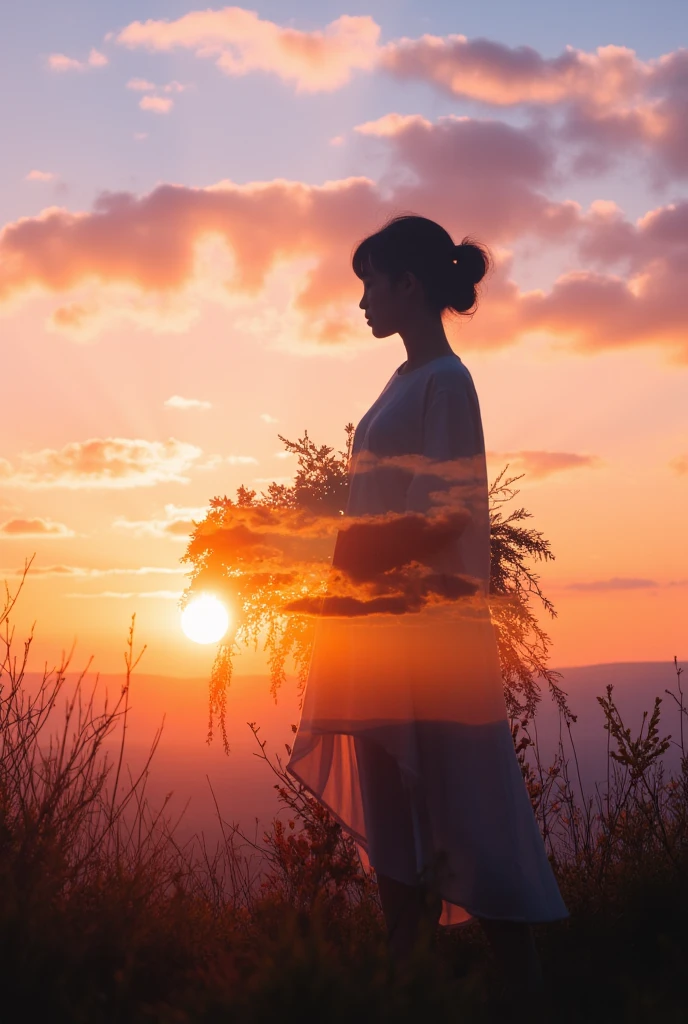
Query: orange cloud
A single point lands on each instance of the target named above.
(240, 41)
(38, 527)
(165, 595)
(109, 302)
(81, 571)
(541, 464)
(74, 315)
(60, 62)
(177, 524)
(150, 244)
(113, 462)
(615, 583)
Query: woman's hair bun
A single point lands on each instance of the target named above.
(471, 260)
(448, 273)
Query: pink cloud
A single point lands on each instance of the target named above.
(504, 76)
(156, 104)
(599, 310)
(478, 176)
(60, 62)
(240, 41)
(175, 86)
(140, 85)
(38, 527)
(143, 85)
(653, 124)
(112, 462)
(150, 242)
(607, 237)
(40, 176)
(615, 103)
(97, 59)
(484, 174)
(655, 131)
(541, 464)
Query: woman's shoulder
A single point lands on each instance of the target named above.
(450, 375)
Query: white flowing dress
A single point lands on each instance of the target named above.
(404, 735)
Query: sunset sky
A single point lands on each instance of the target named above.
(182, 191)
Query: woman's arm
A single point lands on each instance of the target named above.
(449, 467)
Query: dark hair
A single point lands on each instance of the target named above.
(449, 273)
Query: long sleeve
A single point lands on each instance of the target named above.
(452, 452)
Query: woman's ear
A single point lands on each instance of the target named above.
(409, 283)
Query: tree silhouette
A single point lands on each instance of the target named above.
(232, 555)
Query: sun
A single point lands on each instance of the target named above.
(205, 620)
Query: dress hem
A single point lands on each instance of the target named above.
(474, 914)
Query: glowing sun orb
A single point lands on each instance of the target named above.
(205, 620)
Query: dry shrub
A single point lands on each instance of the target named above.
(104, 917)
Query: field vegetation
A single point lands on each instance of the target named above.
(106, 917)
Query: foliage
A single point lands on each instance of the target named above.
(106, 918)
(260, 597)
(523, 644)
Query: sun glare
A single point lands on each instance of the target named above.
(205, 620)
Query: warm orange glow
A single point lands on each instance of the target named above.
(205, 620)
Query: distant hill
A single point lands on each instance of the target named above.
(244, 785)
(636, 683)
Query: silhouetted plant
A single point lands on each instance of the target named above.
(523, 644)
(105, 917)
(259, 598)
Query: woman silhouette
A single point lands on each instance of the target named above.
(404, 734)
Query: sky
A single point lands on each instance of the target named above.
(180, 199)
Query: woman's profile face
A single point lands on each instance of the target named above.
(381, 303)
